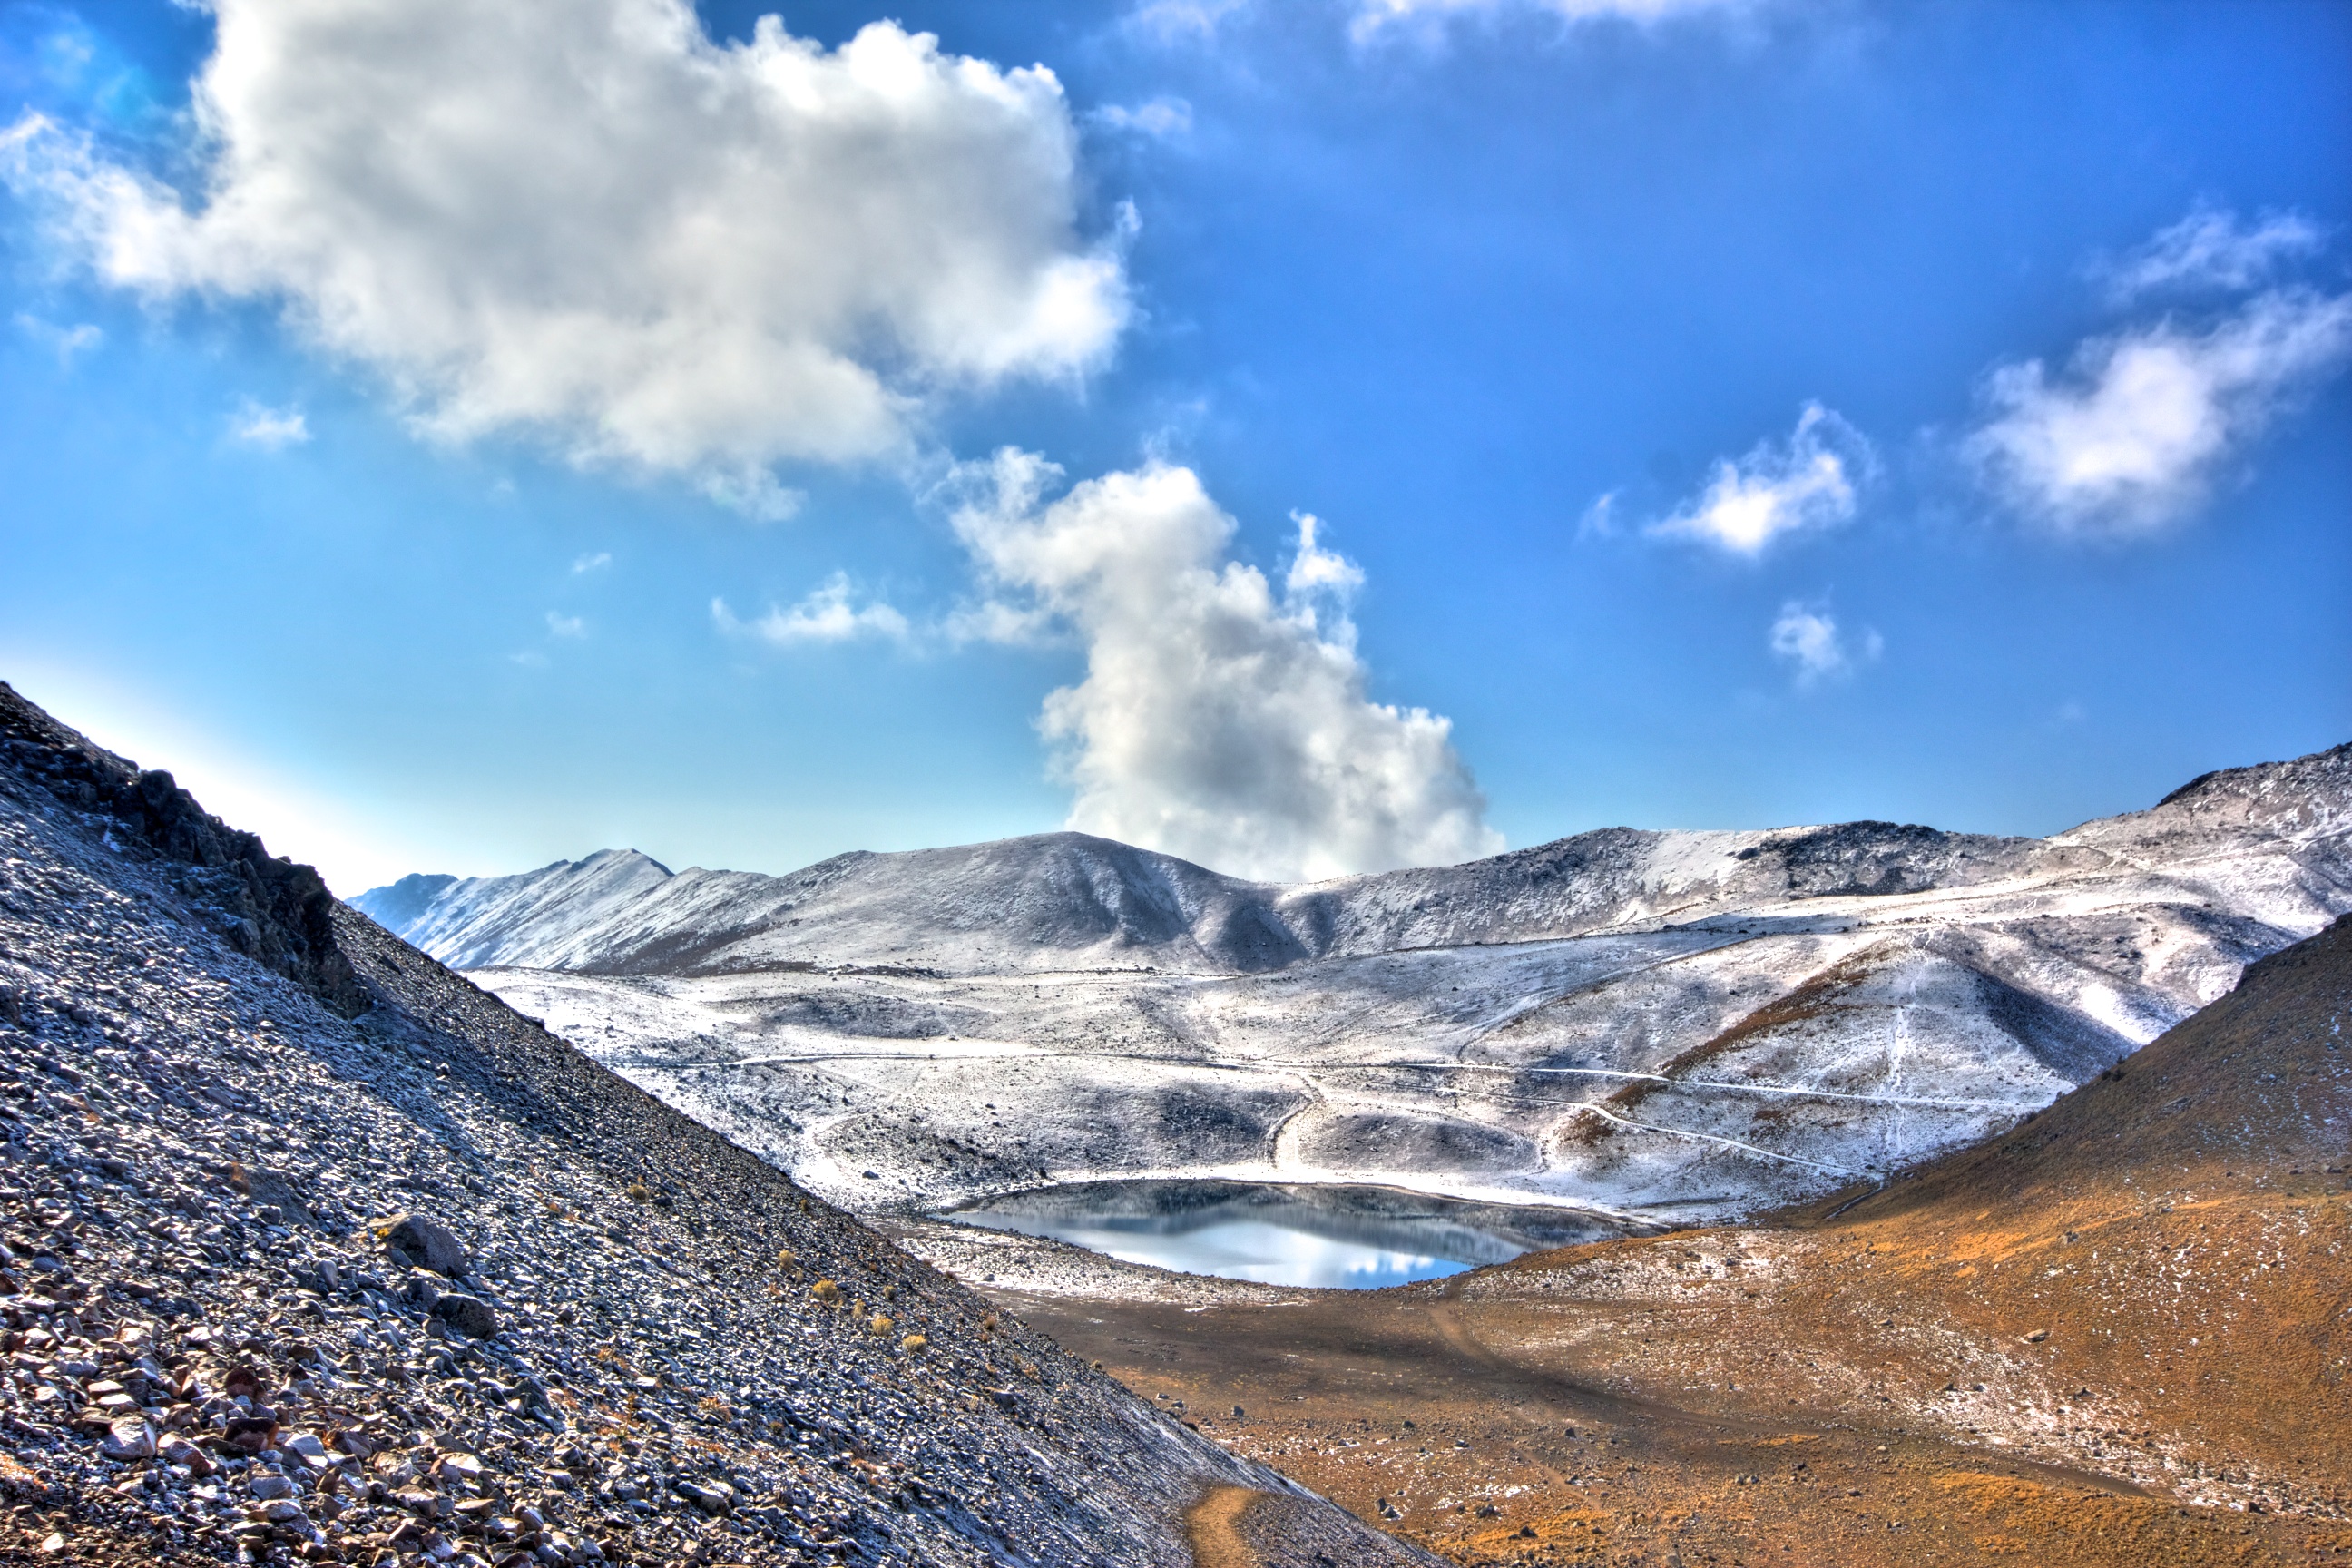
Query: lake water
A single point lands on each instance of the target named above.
(1348, 1237)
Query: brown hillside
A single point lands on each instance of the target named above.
(2118, 1335)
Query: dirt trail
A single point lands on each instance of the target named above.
(1212, 1529)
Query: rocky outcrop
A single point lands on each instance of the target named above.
(270, 909)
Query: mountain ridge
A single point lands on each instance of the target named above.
(1070, 900)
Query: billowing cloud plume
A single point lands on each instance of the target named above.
(586, 220)
(828, 614)
(1807, 482)
(1216, 721)
(2128, 439)
(1807, 638)
(2210, 249)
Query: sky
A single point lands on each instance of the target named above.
(1307, 437)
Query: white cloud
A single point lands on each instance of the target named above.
(271, 429)
(1374, 15)
(2209, 249)
(1164, 119)
(1808, 639)
(596, 563)
(1215, 721)
(1807, 482)
(565, 626)
(827, 615)
(586, 220)
(65, 342)
(2129, 438)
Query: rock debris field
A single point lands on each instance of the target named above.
(310, 1250)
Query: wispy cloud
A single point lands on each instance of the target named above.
(561, 625)
(2211, 248)
(2129, 438)
(1164, 119)
(596, 563)
(1806, 483)
(1172, 20)
(1373, 16)
(829, 615)
(67, 342)
(753, 493)
(271, 429)
(1806, 637)
(1216, 721)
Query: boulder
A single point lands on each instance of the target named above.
(129, 1437)
(250, 1434)
(424, 1243)
(712, 1498)
(469, 1315)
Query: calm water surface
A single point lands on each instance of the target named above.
(1350, 1238)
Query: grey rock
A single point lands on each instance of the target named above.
(712, 1498)
(131, 1438)
(469, 1315)
(425, 1243)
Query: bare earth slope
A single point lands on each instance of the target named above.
(2120, 1335)
(1654, 1026)
(219, 1094)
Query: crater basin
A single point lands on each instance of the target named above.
(1305, 1234)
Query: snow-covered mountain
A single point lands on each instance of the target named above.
(1675, 1023)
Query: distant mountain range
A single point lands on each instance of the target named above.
(1677, 1023)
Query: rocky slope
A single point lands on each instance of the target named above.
(310, 1249)
(1655, 1026)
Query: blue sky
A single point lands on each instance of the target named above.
(478, 557)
